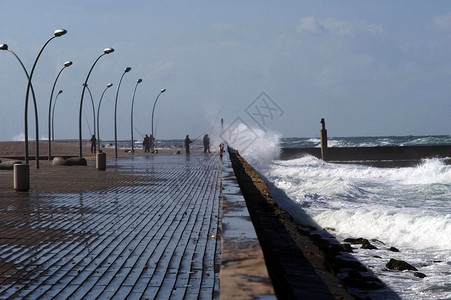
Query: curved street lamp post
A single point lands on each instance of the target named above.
(153, 110)
(57, 33)
(105, 51)
(98, 116)
(126, 70)
(66, 64)
(53, 114)
(131, 114)
(93, 109)
(5, 47)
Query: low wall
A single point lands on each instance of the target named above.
(403, 155)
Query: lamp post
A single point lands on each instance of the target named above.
(105, 51)
(126, 70)
(153, 110)
(93, 109)
(5, 47)
(131, 114)
(53, 114)
(56, 33)
(66, 64)
(98, 115)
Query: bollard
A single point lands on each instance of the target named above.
(323, 140)
(101, 161)
(21, 177)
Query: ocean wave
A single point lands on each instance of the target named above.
(415, 230)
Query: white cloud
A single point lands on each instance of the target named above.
(336, 27)
(443, 22)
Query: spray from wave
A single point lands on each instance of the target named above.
(257, 146)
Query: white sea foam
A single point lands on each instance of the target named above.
(395, 227)
(408, 208)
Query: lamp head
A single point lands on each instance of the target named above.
(140, 80)
(60, 91)
(127, 69)
(3, 47)
(163, 90)
(108, 50)
(109, 85)
(67, 63)
(60, 32)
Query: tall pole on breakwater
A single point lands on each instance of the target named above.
(323, 140)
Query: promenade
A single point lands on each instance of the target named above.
(149, 227)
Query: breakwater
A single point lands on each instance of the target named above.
(381, 156)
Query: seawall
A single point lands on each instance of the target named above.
(389, 156)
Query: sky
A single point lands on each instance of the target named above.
(369, 68)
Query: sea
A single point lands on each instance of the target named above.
(408, 208)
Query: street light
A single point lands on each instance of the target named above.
(5, 47)
(153, 110)
(56, 33)
(131, 114)
(66, 64)
(98, 115)
(105, 51)
(93, 109)
(126, 70)
(53, 114)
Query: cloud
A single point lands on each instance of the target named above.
(443, 22)
(339, 28)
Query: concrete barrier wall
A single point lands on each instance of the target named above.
(371, 153)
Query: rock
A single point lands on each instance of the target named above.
(367, 245)
(393, 249)
(9, 164)
(400, 265)
(419, 274)
(355, 241)
(364, 242)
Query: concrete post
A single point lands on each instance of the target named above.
(21, 177)
(323, 140)
(101, 161)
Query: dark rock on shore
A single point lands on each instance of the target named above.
(367, 245)
(393, 249)
(419, 274)
(364, 242)
(400, 265)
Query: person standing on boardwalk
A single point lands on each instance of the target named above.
(187, 142)
(206, 144)
(221, 150)
(93, 141)
(146, 144)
